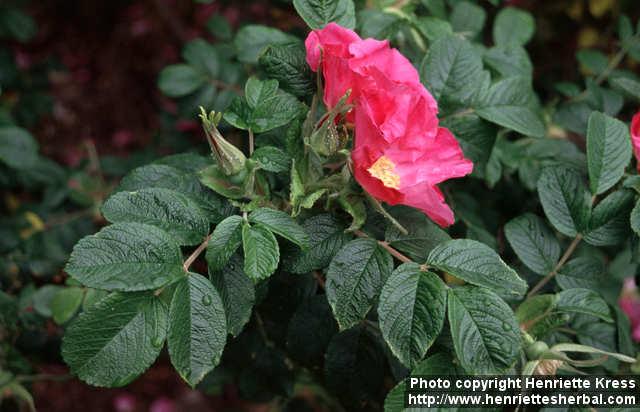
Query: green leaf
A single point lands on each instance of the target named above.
(261, 252)
(423, 234)
(166, 209)
(476, 137)
(411, 312)
(513, 26)
(583, 272)
(252, 39)
(219, 26)
(433, 28)
(627, 85)
(202, 56)
(635, 218)
(93, 296)
(534, 307)
(288, 65)
(378, 24)
(355, 207)
(66, 303)
(272, 159)
(117, 339)
(564, 199)
(507, 103)
(179, 80)
(167, 173)
(609, 222)
(594, 61)
(467, 18)
(608, 151)
(237, 292)
(583, 301)
(281, 224)
(18, 149)
(41, 300)
(438, 364)
(188, 162)
(197, 328)
(538, 317)
(509, 61)
(155, 175)
(318, 13)
(264, 107)
(436, 8)
(127, 257)
(534, 243)
(215, 179)
(326, 238)
(225, 239)
(451, 68)
(478, 264)
(484, 330)
(573, 116)
(354, 280)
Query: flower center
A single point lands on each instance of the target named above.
(384, 169)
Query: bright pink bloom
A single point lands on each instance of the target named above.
(331, 47)
(629, 302)
(635, 136)
(400, 153)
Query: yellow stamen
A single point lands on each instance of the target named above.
(384, 169)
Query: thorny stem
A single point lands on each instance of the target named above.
(561, 262)
(386, 246)
(195, 254)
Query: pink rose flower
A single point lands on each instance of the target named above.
(330, 46)
(400, 153)
(629, 302)
(635, 136)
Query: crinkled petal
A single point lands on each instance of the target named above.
(438, 160)
(430, 200)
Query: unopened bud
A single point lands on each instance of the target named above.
(536, 349)
(230, 159)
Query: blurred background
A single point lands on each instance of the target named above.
(83, 79)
